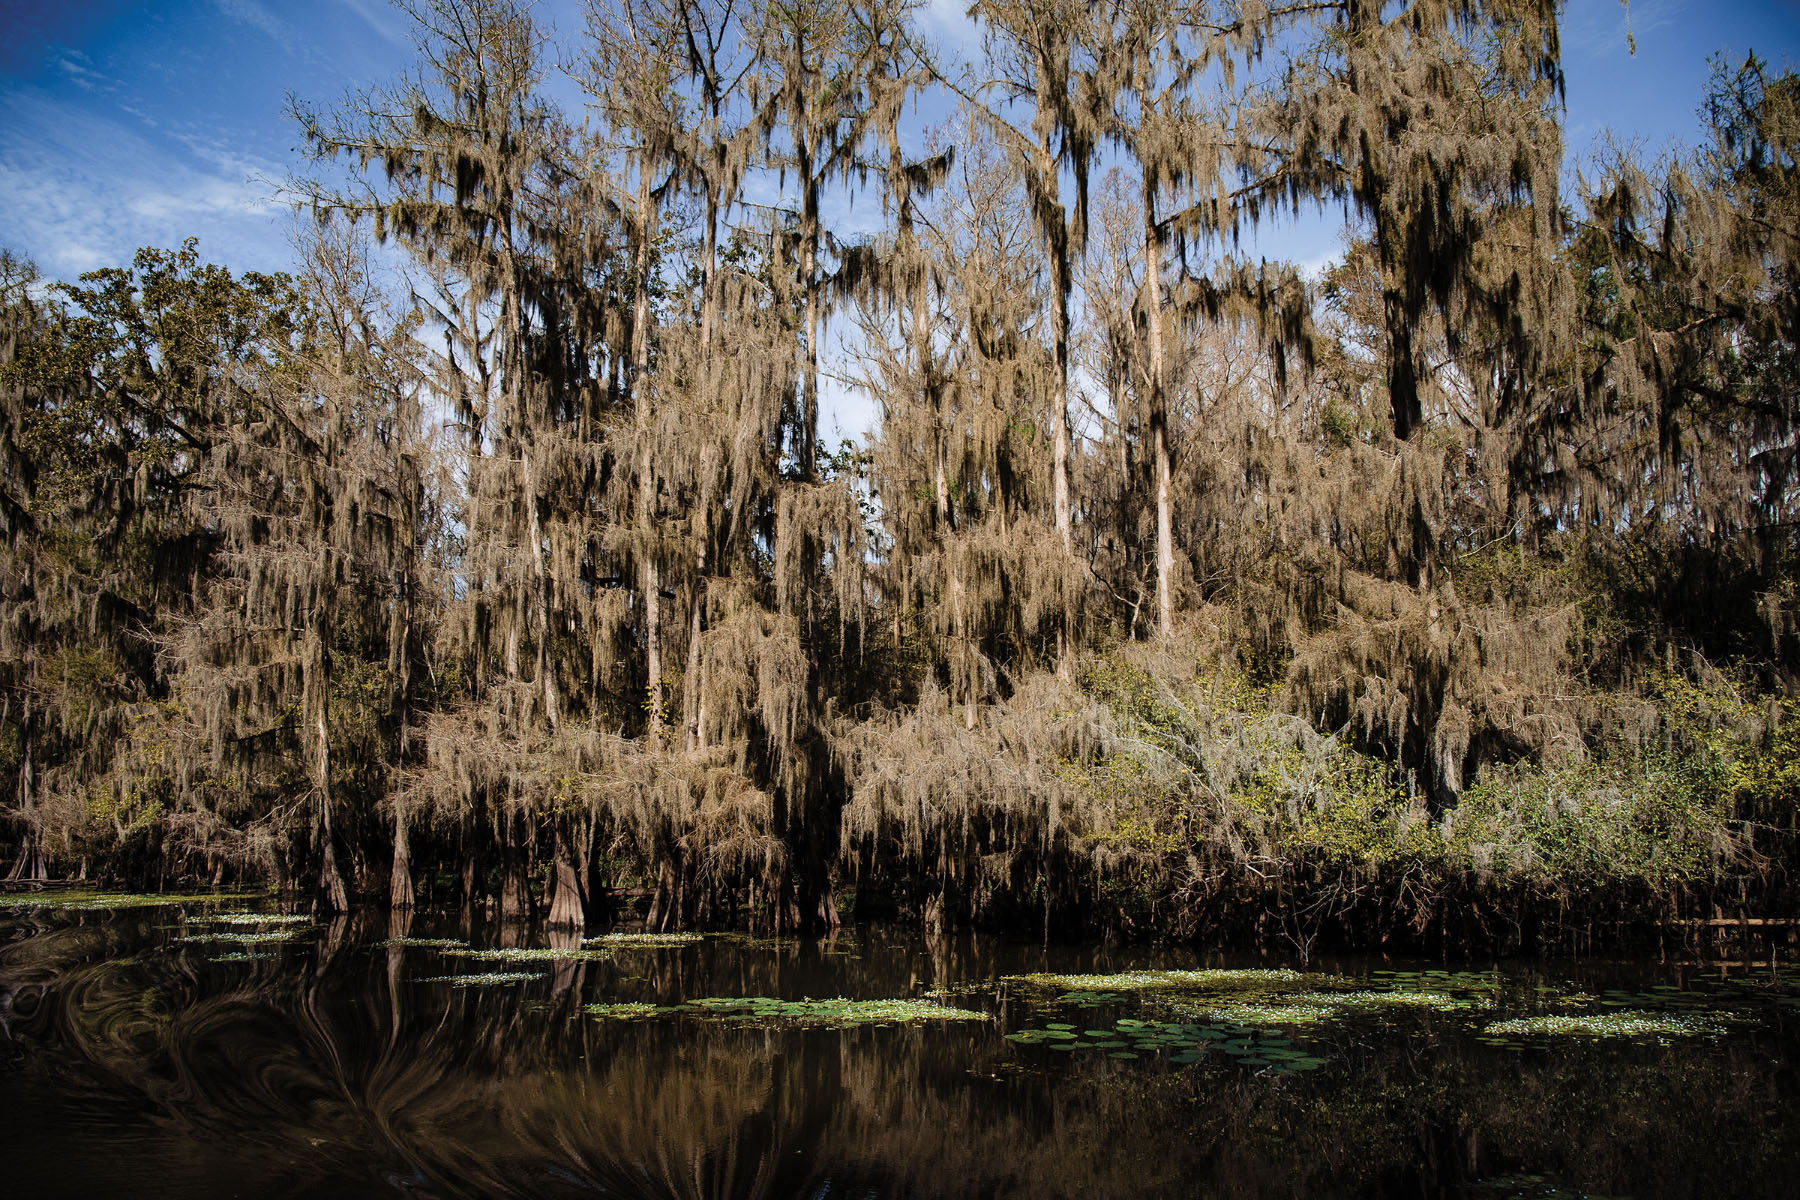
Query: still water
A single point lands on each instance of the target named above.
(208, 1049)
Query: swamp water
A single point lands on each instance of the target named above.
(206, 1048)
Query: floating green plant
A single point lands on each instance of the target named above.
(484, 978)
(1181, 1042)
(249, 918)
(1143, 981)
(1293, 1011)
(97, 901)
(423, 943)
(536, 954)
(645, 941)
(242, 956)
(243, 939)
(838, 1011)
(1438, 1001)
(627, 1011)
(1615, 1024)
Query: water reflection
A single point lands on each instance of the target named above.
(131, 1064)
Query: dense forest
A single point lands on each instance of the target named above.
(493, 556)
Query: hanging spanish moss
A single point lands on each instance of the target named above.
(496, 558)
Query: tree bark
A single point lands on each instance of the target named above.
(565, 891)
(400, 887)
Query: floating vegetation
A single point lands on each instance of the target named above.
(1438, 1001)
(243, 956)
(1088, 999)
(1143, 981)
(839, 1012)
(249, 918)
(96, 901)
(423, 943)
(537, 954)
(627, 1010)
(1294, 1012)
(1181, 1042)
(245, 939)
(645, 941)
(1617, 1024)
(483, 978)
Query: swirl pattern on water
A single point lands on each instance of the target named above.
(332, 1070)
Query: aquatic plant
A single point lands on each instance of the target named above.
(837, 1012)
(1617, 1024)
(1142, 981)
(423, 943)
(1181, 1042)
(626, 1010)
(98, 901)
(534, 954)
(248, 918)
(242, 956)
(1296, 1011)
(483, 978)
(248, 939)
(1439, 1001)
(644, 941)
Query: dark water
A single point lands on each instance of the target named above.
(136, 1064)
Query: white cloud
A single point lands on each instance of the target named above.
(83, 190)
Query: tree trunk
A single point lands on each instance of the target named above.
(515, 895)
(1159, 414)
(30, 862)
(333, 896)
(651, 581)
(400, 887)
(565, 891)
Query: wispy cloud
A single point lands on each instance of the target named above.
(82, 190)
(79, 70)
(380, 16)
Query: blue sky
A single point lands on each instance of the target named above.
(130, 124)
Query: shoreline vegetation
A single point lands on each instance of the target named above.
(1449, 601)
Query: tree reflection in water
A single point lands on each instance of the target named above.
(133, 1066)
